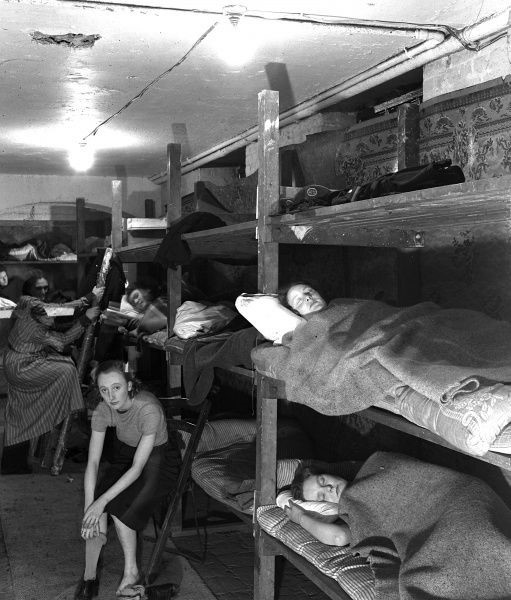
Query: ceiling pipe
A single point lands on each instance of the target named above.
(494, 26)
(420, 31)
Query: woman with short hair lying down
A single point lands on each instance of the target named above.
(426, 531)
(447, 370)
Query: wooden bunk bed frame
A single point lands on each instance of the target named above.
(401, 221)
(398, 221)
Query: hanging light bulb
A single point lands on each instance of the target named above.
(236, 44)
(81, 157)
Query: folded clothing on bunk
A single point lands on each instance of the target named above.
(196, 318)
(173, 251)
(429, 175)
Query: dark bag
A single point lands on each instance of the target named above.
(407, 180)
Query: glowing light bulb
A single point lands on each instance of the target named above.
(81, 157)
(236, 45)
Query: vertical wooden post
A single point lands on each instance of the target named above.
(268, 270)
(117, 223)
(173, 201)
(408, 135)
(80, 240)
(408, 261)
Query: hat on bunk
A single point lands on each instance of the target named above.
(311, 196)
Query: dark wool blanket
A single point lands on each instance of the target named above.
(428, 532)
(355, 351)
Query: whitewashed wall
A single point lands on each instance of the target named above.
(45, 196)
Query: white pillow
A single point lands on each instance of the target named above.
(267, 315)
(324, 511)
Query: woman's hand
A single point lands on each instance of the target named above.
(98, 291)
(88, 534)
(90, 521)
(92, 313)
(294, 512)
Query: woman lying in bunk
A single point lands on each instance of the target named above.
(426, 531)
(144, 470)
(143, 310)
(42, 380)
(444, 369)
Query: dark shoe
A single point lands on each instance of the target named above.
(163, 591)
(87, 589)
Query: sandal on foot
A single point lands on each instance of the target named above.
(136, 591)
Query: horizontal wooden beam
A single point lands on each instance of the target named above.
(341, 235)
(137, 224)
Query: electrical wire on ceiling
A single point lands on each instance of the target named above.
(155, 80)
(300, 17)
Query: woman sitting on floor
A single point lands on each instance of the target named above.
(144, 470)
(426, 531)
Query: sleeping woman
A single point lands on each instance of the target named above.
(444, 369)
(426, 531)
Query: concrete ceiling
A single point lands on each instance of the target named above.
(57, 88)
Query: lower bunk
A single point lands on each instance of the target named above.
(220, 457)
(415, 530)
(224, 467)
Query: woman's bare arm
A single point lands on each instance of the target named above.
(333, 534)
(96, 509)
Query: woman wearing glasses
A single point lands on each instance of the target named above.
(42, 382)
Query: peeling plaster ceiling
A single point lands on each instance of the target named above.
(95, 56)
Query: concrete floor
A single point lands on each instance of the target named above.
(226, 573)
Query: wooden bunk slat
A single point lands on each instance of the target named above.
(138, 224)
(326, 584)
(238, 241)
(335, 234)
(43, 261)
(483, 202)
(394, 421)
(142, 252)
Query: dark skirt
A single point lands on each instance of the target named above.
(135, 505)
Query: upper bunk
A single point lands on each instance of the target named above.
(237, 237)
(406, 221)
(399, 220)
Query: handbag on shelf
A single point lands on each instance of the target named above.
(430, 175)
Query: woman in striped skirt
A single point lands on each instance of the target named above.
(42, 383)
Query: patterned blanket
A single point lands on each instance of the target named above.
(355, 351)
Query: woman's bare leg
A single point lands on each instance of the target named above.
(128, 539)
(93, 549)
